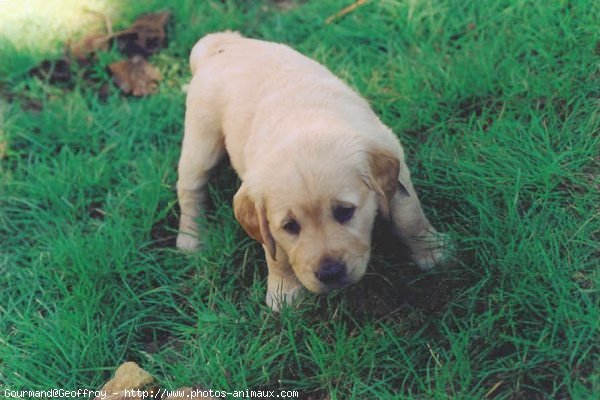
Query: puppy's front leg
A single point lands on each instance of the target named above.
(201, 150)
(413, 227)
(282, 284)
(190, 200)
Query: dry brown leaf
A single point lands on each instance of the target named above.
(146, 35)
(85, 48)
(135, 76)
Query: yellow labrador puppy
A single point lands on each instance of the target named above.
(316, 164)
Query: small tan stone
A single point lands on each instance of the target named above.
(129, 376)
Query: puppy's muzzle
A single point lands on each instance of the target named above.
(332, 272)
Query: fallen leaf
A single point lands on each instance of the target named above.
(135, 76)
(146, 36)
(82, 50)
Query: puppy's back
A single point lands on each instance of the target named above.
(260, 93)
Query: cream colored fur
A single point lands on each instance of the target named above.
(303, 143)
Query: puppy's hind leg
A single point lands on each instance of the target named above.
(202, 148)
(410, 224)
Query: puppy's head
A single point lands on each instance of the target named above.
(317, 206)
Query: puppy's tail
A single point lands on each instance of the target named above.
(209, 45)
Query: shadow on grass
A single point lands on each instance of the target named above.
(393, 285)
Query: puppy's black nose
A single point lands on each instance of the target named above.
(331, 271)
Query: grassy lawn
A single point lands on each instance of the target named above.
(497, 104)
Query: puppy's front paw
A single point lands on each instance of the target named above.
(276, 299)
(187, 242)
(433, 251)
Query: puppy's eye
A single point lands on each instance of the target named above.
(292, 227)
(343, 214)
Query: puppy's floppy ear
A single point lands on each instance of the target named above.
(253, 218)
(384, 168)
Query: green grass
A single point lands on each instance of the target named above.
(497, 104)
